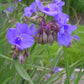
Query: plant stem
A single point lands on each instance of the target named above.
(66, 64)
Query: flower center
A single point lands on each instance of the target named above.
(61, 18)
(31, 10)
(46, 8)
(18, 40)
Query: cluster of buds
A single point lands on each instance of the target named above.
(18, 54)
(47, 32)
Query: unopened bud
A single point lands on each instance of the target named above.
(44, 37)
(37, 37)
(25, 19)
(13, 47)
(21, 59)
(14, 56)
(34, 18)
(54, 36)
(28, 55)
(50, 39)
(40, 39)
(11, 52)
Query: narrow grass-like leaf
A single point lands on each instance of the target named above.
(6, 57)
(22, 72)
(79, 75)
(66, 65)
(5, 82)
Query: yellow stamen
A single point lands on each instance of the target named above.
(21, 39)
(48, 6)
(18, 36)
(62, 18)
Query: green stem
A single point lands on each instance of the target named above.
(66, 64)
(67, 6)
(6, 57)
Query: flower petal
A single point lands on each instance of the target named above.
(11, 34)
(23, 28)
(19, 46)
(76, 37)
(26, 9)
(33, 29)
(39, 4)
(33, 6)
(27, 41)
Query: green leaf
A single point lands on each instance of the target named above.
(5, 82)
(79, 75)
(66, 65)
(22, 72)
(4, 40)
(6, 57)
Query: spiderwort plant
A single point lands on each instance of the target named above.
(19, 0)
(21, 37)
(50, 9)
(57, 29)
(56, 70)
(22, 41)
(28, 11)
(9, 9)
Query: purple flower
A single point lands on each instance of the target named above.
(72, 77)
(50, 9)
(64, 35)
(51, 59)
(65, 77)
(61, 18)
(76, 37)
(19, 0)
(29, 10)
(21, 40)
(24, 29)
(59, 3)
(56, 70)
(33, 29)
(48, 76)
(4, 11)
(10, 9)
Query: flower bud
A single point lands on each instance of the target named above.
(44, 37)
(40, 39)
(14, 56)
(54, 36)
(25, 19)
(37, 37)
(11, 52)
(34, 18)
(21, 59)
(50, 39)
(13, 47)
(28, 55)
